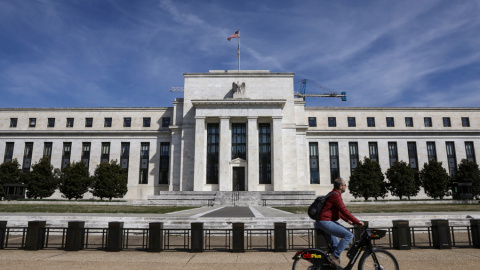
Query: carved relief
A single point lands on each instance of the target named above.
(238, 89)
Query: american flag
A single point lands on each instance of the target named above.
(235, 35)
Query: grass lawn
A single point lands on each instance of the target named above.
(76, 208)
(396, 208)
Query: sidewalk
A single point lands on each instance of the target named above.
(421, 259)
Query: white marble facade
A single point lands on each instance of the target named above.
(250, 98)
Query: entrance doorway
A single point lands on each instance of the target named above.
(238, 177)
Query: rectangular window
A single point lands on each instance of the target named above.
(431, 151)
(125, 155)
(47, 151)
(390, 122)
(470, 151)
(127, 122)
(465, 122)
(264, 154)
(452, 159)
(51, 122)
(314, 168)
(164, 161)
(351, 122)
(13, 122)
(392, 152)
(105, 156)
(371, 121)
(412, 155)
(27, 156)
(408, 121)
(88, 122)
(8, 152)
(146, 121)
(69, 122)
(107, 122)
(239, 140)
(446, 122)
(165, 121)
(213, 147)
(67, 150)
(427, 121)
(312, 121)
(86, 146)
(144, 160)
(353, 146)
(334, 162)
(332, 121)
(32, 122)
(373, 151)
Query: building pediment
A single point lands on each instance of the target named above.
(238, 161)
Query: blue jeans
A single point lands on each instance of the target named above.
(333, 228)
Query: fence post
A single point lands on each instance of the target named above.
(401, 234)
(197, 237)
(115, 236)
(155, 237)
(280, 234)
(357, 231)
(238, 237)
(75, 236)
(475, 227)
(35, 235)
(3, 229)
(441, 234)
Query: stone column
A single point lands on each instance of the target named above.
(252, 152)
(277, 149)
(225, 155)
(200, 154)
(175, 160)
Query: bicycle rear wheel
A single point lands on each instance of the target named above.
(300, 264)
(386, 261)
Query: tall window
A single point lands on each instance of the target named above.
(127, 122)
(332, 121)
(107, 122)
(351, 122)
(105, 157)
(146, 121)
(431, 151)
(334, 162)
(412, 155)
(353, 146)
(427, 121)
(213, 147)
(452, 159)
(165, 121)
(86, 153)
(51, 122)
(314, 168)
(312, 121)
(465, 122)
(67, 150)
(47, 151)
(8, 152)
(69, 122)
(392, 152)
(239, 140)
(446, 122)
(13, 122)
(144, 157)
(370, 121)
(408, 121)
(88, 122)
(373, 151)
(390, 122)
(27, 156)
(470, 151)
(264, 154)
(164, 161)
(32, 122)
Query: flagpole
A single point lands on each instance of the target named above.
(238, 50)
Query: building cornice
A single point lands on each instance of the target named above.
(238, 102)
(393, 133)
(101, 109)
(79, 133)
(410, 109)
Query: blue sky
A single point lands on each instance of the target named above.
(125, 53)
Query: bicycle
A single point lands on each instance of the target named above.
(372, 258)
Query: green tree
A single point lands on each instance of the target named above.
(367, 180)
(74, 180)
(468, 171)
(42, 180)
(402, 182)
(109, 181)
(435, 180)
(10, 173)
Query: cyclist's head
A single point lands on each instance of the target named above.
(337, 183)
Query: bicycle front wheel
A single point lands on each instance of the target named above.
(385, 261)
(300, 264)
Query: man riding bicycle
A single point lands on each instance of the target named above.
(333, 209)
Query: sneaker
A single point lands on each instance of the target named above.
(335, 260)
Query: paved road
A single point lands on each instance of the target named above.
(231, 212)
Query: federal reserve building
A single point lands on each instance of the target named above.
(238, 131)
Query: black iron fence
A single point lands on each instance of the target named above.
(237, 239)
